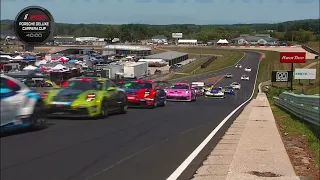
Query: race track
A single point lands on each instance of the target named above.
(144, 144)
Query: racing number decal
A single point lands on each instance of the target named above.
(146, 94)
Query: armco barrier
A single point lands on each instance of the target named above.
(309, 49)
(208, 62)
(305, 107)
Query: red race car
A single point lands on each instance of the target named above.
(143, 93)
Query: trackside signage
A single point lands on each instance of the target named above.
(293, 57)
(281, 76)
(305, 74)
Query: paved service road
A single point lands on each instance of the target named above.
(143, 144)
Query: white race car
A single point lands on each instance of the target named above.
(235, 85)
(245, 77)
(238, 66)
(20, 106)
(247, 69)
(228, 75)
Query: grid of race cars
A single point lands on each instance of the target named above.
(93, 97)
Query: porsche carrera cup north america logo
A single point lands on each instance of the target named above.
(282, 76)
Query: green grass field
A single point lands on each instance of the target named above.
(157, 51)
(11, 48)
(225, 58)
(189, 68)
(200, 50)
(272, 62)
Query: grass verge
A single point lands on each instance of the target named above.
(157, 51)
(224, 59)
(300, 139)
(11, 48)
(189, 68)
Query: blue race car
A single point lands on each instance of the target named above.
(215, 92)
(229, 90)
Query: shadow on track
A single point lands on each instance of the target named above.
(19, 131)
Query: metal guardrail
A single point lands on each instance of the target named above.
(309, 49)
(195, 70)
(305, 107)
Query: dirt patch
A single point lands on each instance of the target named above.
(213, 80)
(264, 174)
(162, 77)
(42, 49)
(301, 156)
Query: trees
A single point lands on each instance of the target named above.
(303, 36)
(301, 30)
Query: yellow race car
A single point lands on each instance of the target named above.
(49, 83)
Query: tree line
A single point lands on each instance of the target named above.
(300, 30)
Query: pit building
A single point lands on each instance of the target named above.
(172, 57)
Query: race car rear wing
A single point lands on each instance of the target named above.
(197, 84)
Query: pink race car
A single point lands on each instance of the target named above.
(181, 92)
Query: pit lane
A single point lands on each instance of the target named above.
(143, 144)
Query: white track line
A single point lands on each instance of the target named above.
(175, 175)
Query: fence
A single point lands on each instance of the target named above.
(305, 107)
(205, 64)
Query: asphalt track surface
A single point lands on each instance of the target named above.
(144, 144)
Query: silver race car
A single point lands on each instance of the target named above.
(247, 69)
(228, 75)
(238, 66)
(245, 77)
(235, 85)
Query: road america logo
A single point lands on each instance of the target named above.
(282, 76)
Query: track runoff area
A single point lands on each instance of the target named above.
(163, 143)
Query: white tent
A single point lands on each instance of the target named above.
(222, 41)
(60, 67)
(6, 56)
(38, 63)
(18, 57)
(28, 68)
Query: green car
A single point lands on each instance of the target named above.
(85, 97)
